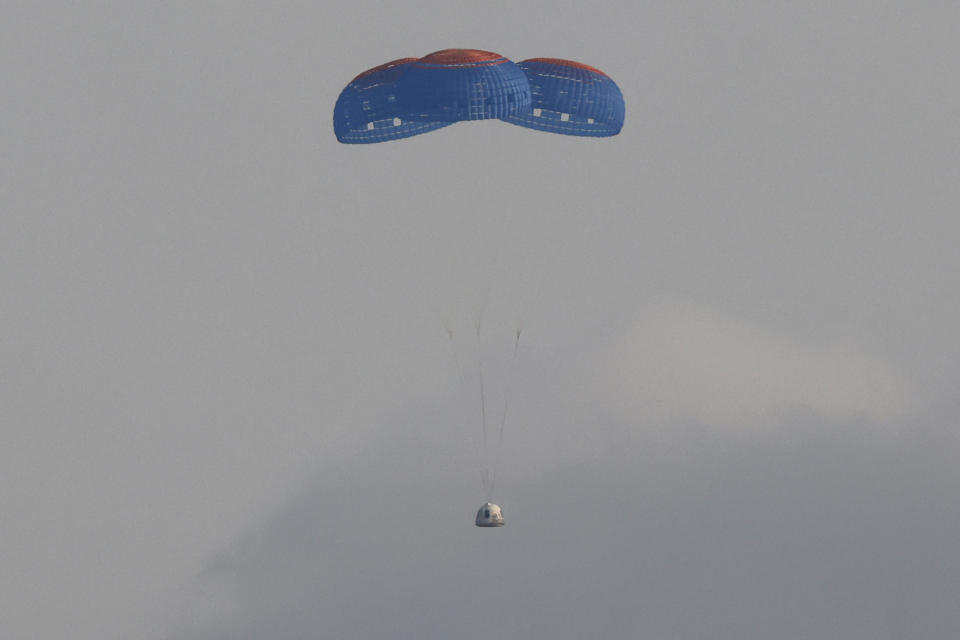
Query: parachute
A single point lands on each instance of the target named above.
(571, 98)
(411, 96)
(463, 84)
(367, 110)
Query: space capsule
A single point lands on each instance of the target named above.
(490, 515)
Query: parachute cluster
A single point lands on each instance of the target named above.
(410, 96)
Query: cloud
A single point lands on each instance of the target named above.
(691, 362)
(823, 533)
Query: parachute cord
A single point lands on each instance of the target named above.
(506, 407)
(486, 449)
(499, 446)
(463, 389)
(483, 415)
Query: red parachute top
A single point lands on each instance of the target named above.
(460, 58)
(566, 63)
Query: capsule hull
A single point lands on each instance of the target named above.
(490, 515)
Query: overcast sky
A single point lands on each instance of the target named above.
(229, 406)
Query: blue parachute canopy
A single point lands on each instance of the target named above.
(367, 109)
(463, 84)
(410, 96)
(570, 98)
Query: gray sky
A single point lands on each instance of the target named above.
(228, 406)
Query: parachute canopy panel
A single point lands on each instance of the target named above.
(570, 98)
(463, 84)
(368, 111)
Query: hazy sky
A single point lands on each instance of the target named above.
(229, 407)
